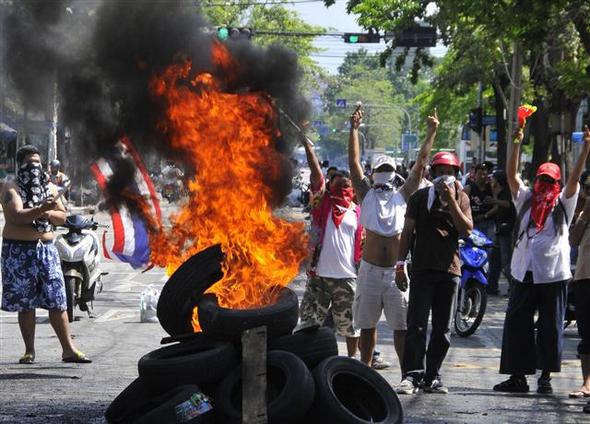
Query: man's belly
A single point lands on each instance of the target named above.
(24, 232)
(379, 250)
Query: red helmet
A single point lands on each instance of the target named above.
(445, 158)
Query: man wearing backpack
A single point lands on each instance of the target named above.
(541, 269)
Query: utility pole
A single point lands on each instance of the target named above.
(515, 94)
(481, 132)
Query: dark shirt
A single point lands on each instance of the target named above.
(505, 217)
(476, 199)
(437, 240)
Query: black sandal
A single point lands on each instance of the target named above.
(513, 385)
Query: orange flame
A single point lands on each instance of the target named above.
(228, 138)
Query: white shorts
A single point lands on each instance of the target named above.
(377, 292)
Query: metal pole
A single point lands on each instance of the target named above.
(480, 137)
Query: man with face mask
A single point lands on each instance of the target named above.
(541, 269)
(31, 269)
(437, 216)
(382, 211)
(335, 251)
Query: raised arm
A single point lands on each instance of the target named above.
(571, 186)
(354, 155)
(512, 178)
(314, 166)
(417, 171)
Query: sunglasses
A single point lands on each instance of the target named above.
(546, 179)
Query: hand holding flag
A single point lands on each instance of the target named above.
(524, 111)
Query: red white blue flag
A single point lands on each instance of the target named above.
(130, 232)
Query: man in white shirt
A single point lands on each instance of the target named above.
(541, 269)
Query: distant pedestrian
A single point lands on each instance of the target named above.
(438, 216)
(478, 191)
(31, 271)
(336, 250)
(541, 267)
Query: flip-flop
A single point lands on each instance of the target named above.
(579, 394)
(27, 358)
(78, 358)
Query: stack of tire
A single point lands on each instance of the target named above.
(199, 379)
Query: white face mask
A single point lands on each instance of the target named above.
(383, 177)
(447, 179)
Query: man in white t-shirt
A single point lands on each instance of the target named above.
(541, 269)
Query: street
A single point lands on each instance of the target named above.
(50, 391)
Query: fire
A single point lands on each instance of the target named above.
(228, 138)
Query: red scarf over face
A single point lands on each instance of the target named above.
(544, 198)
(341, 199)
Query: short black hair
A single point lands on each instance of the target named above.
(25, 151)
(340, 173)
(481, 167)
(332, 168)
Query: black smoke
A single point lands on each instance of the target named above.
(102, 55)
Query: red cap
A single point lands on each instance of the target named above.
(445, 158)
(550, 169)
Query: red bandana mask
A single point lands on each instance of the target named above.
(341, 199)
(544, 197)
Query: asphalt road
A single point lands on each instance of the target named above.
(50, 391)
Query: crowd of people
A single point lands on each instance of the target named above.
(384, 247)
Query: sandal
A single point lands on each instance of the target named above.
(27, 358)
(78, 358)
(579, 394)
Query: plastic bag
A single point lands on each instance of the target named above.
(148, 302)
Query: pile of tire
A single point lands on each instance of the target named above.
(199, 379)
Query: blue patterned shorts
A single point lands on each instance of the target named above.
(31, 276)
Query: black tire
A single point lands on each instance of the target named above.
(129, 404)
(349, 392)
(184, 404)
(311, 346)
(221, 323)
(290, 391)
(202, 361)
(70, 283)
(469, 315)
(185, 287)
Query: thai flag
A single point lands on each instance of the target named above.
(130, 233)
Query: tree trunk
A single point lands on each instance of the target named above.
(500, 87)
(540, 132)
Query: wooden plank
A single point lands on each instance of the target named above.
(254, 376)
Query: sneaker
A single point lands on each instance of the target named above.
(378, 363)
(544, 385)
(513, 385)
(406, 387)
(436, 386)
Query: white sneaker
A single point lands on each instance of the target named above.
(406, 387)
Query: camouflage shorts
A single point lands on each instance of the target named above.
(320, 294)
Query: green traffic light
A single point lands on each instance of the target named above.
(334, 130)
(353, 39)
(223, 33)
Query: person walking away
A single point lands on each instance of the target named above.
(478, 190)
(336, 249)
(580, 238)
(438, 215)
(58, 178)
(382, 211)
(31, 270)
(541, 270)
(504, 214)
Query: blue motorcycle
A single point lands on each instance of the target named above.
(472, 297)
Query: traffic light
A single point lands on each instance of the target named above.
(416, 36)
(361, 37)
(234, 33)
(475, 119)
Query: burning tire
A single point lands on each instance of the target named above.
(202, 361)
(129, 404)
(290, 391)
(184, 288)
(221, 323)
(311, 346)
(349, 392)
(185, 404)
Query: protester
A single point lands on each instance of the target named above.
(31, 271)
(382, 211)
(504, 215)
(541, 269)
(580, 238)
(336, 243)
(479, 190)
(438, 215)
(58, 178)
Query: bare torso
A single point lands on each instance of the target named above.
(380, 250)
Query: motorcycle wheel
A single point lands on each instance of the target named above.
(71, 297)
(471, 310)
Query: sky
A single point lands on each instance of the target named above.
(336, 19)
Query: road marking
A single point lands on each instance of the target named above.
(115, 314)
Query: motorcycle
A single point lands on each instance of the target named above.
(79, 251)
(472, 296)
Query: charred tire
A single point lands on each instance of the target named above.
(221, 323)
(349, 392)
(184, 404)
(290, 391)
(311, 346)
(70, 286)
(201, 361)
(185, 287)
(129, 404)
(469, 315)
